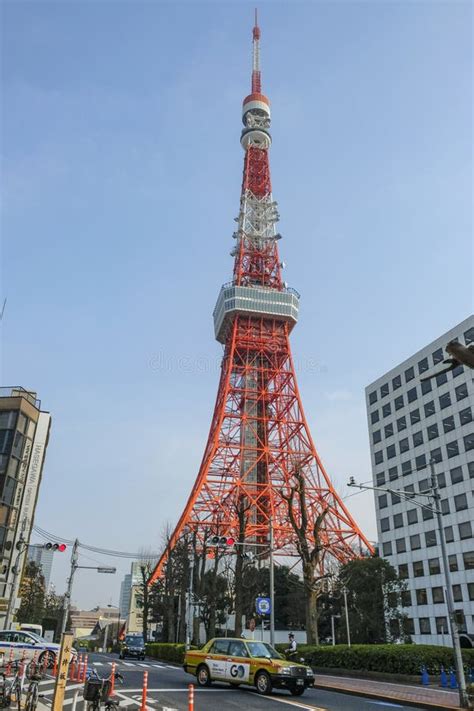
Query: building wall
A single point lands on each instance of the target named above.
(125, 595)
(410, 422)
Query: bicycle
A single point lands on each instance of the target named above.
(97, 691)
(13, 687)
(32, 694)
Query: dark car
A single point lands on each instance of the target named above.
(132, 646)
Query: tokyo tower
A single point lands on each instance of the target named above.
(259, 448)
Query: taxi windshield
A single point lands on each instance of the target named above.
(262, 649)
(134, 641)
(37, 637)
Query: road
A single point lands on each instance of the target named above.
(168, 688)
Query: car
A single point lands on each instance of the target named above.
(250, 662)
(132, 646)
(27, 644)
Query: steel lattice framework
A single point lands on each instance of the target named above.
(259, 437)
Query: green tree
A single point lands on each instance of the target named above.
(32, 593)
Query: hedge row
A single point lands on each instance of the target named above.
(167, 652)
(389, 658)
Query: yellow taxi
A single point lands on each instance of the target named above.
(250, 662)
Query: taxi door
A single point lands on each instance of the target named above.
(238, 663)
(216, 659)
(23, 645)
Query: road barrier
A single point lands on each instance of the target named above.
(10, 662)
(112, 679)
(144, 691)
(86, 665)
(55, 665)
(191, 697)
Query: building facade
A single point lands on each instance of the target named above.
(24, 435)
(44, 559)
(411, 422)
(125, 595)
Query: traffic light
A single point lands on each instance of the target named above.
(61, 547)
(223, 541)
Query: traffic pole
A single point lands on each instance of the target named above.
(112, 679)
(191, 697)
(144, 691)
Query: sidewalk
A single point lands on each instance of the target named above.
(411, 695)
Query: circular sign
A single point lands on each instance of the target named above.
(263, 605)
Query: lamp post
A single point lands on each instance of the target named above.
(434, 495)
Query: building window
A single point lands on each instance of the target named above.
(409, 489)
(465, 416)
(469, 336)
(470, 467)
(406, 598)
(445, 401)
(415, 542)
(448, 534)
(406, 468)
(465, 530)
(460, 502)
(401, 424)
(397, 382)
(417, 439)
(441, 625)
(438, 356)
(468, 442)
(435, 454)
(420, 462)
(421, 596)
(456, 475)
(404, 445)
(373, 397)
(383, 501)
(425, 626)
(391, 453)
(384, 390)
(457, 371)
(412, 516)
(403, 571)
(398, 402)
(441, 379)
(423, 365)
(378, 457)
(418, 569)
(426, 387)
(453, 563)
(376, 437)
(388, 430)
(427, 514)
(468, 560)
(381, 479)
(452, 449)
(448, 424)
(461, 391)
(442, 480)
(470, 590)
(374, 417)
(395, 499)
(429, 409)
(384, 524)
(386, 410)
(457, 593)
(401, 545)
(423, 485)
(438, 595)
(387, 548)
(444, 506)
(409, 374)
(433, 566)
(412, 395)
(398, 520)
(393, 473)
(433, 431)
(430, 539)
(414, 417)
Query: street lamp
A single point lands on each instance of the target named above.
(433, 493)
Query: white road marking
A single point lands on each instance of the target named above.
(98, 664)
(144, 665)
(159, 666)
(129, 664)
(293, 703)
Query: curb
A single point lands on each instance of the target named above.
(387, 697)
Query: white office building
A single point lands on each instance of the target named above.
(411, 422)
(44, 559)
(125, 595)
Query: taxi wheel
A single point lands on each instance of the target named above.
(203, 677)
(298, 691)
(50, 656)
(263, 683)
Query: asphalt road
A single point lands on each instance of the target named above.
(168, 689)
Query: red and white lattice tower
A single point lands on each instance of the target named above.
(259, 436)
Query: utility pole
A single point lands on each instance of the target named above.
(272, 587)
(190, 615)
(67, 595)
(463, 698)
(344, 592)
(21, 546)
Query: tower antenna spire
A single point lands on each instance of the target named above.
(256, 77)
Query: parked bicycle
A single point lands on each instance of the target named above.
(97, 692)
(34, 676)
(11, 688)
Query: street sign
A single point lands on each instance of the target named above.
(63, 666)
(106, 570)
(263, 605)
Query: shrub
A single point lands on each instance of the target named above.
(167, 652)
(389, 658)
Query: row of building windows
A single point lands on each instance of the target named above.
(456, 474)
(430, 538)
(445, 401)
(452, 450)
(432, 566)
(423, 366)
(460, 503)
(448, 424)
(425, 626)
(437, 595)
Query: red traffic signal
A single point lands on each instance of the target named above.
(61, 547)
(223, 541)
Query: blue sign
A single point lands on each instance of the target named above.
(263, 605)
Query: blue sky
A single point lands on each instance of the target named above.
(121, 170)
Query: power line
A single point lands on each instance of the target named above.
(95, 549)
